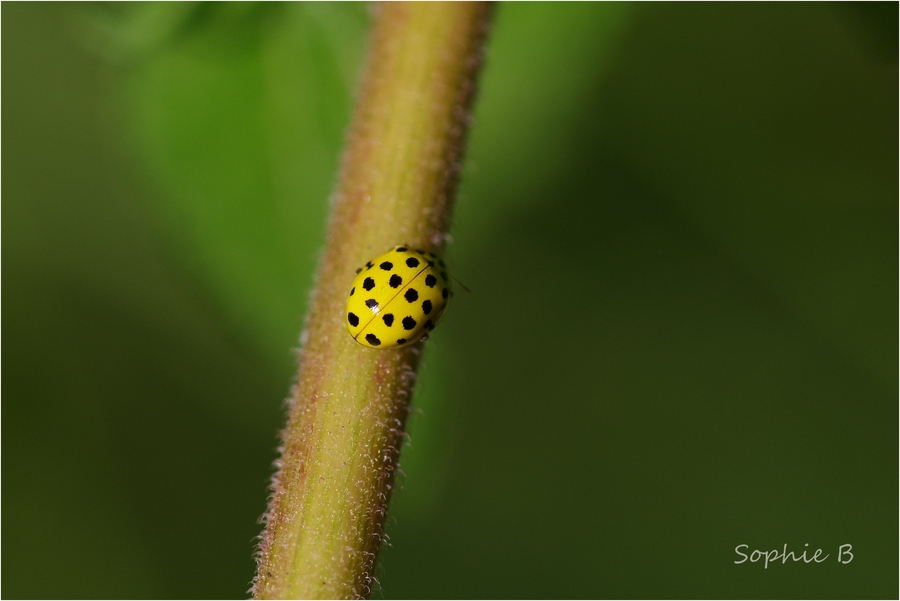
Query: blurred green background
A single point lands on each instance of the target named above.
(679, 224)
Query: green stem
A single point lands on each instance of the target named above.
(325, 520)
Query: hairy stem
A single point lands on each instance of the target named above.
(325, 521)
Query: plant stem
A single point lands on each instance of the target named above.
(325, 521)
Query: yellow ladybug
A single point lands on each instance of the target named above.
(397, 298)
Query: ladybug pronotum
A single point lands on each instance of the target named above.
(397, 298)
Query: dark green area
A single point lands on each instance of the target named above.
(679, 224)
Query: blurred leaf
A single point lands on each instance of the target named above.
(121, 31)
(225, 127)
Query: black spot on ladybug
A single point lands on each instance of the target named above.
(412, 262)
(352, 290)
(426, 307)
(429, 325)
(372, 339)
(420, 251)
(445, 293)
(411, 295)
(368, 284)
(388, 319)
(369, 265)
(395, 281)
(408, 323)
(401, 340)
(401, 249)
(444, 275)
(358, 269)
(372, 303)
(387, 265)
(431, 263)
(353, 319)
(430, 280)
